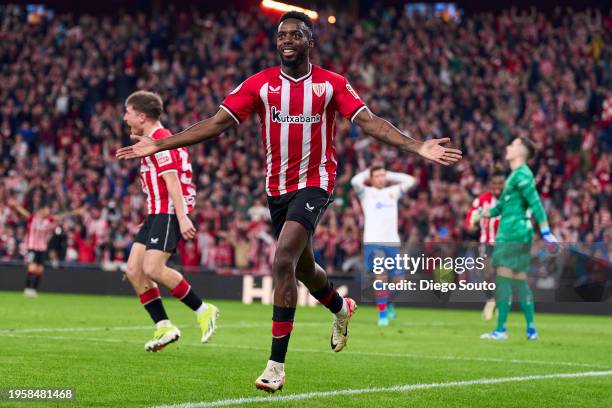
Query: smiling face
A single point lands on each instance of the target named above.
(293, 42)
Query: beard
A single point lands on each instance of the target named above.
(299, 59)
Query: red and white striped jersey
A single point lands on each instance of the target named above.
(297, 124)
(153, 167)
(488, 226)
(38, 232)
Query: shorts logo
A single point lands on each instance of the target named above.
(318, 89)
(154, 240)
(273, 89)
(309, 207)
(278, 117)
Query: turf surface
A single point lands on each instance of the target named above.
(94, 344)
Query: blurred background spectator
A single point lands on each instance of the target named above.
(481, 82)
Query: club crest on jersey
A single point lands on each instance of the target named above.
(318, 89)
(278, 117)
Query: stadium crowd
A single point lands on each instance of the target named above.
(481, 82)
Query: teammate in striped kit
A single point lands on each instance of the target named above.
(39, 229)
(296, 104)
(166, 179)
(380, 235)
(488, 231)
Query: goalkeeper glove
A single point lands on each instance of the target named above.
(548, 236)
(552, 243)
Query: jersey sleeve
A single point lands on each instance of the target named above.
(346, 100)
(526, 185)
(242, 101)
(165, 161)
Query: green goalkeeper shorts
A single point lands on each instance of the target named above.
(513, 255)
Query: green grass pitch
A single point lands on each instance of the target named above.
(94, 344)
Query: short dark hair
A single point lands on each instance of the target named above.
(530, 145)
(298, 15)
(376, 167)
(498, 171)
(146, 102)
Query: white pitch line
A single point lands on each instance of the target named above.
(395, 388)
(241, 325)
(317, 351)
(131, 328)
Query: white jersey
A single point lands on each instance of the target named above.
(380, 206)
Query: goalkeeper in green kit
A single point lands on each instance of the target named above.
(512, 251)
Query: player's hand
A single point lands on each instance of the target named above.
(475, 217)
(434, 151)
(188, 231)
(144, 146)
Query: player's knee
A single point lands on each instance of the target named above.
(133, 271)
(151, 270)
(283, 265)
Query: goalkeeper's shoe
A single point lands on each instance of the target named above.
(208, 322)
(532, 334)
(489, 310)
(273, 377)
(495, 335)
(340, 331)
(162, 337)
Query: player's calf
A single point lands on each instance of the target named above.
(206, 314)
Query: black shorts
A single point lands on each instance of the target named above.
(160, 231)
(37, 257)
(304, 206)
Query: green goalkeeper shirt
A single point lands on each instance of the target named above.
(518, 201)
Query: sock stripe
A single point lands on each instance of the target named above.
(328, 298)
(281, 329)
(181, 290)
(150, 295)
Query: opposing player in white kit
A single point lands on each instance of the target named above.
(380, 236)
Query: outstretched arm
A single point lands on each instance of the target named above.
(20, 210)
(384, 131)
(78, 211)
(200, 132)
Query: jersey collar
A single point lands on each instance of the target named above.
(292, 79)
(155, 129)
